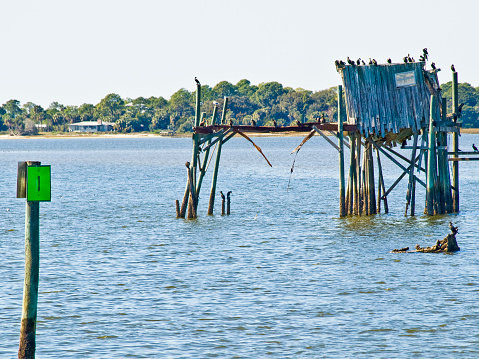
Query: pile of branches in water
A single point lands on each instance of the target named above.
(448, 244)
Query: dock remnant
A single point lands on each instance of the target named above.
(448, 244)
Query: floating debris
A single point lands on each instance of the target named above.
(448, 244)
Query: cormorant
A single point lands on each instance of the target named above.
(370, 61)
(433, 65)
(389, 61)
(474, 148)
(274, 123)
(362, 61)
(453, 69)
(222, 195)
(453, 229)
(228, 194)
(405, 59)
(253, 123)
(351, 62)
(375, 63)
(323, 119)
(197, 81)
(358, 61)
(459, 110)
(425, 53)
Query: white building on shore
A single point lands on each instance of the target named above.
(91, 126)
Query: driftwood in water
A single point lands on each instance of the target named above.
(448, 244)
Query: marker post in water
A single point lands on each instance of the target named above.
(34, 184)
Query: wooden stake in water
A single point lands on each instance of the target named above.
(455, 146)
(342, 205)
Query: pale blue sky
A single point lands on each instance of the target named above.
(77, 52)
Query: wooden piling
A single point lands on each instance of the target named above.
(228, 203)
(342, 206)
(411, 172)
(455, 145)
(32, 269)
(177, 204)
(217, 163)
(222, 203)
(431, 161)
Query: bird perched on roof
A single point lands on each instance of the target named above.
(197, 81)
(425, 53)
(422, 58)
(339, 63)
(453, 229)
(389, 61)
(351, 62)
(370, 61)
(375, 63)
(474, 148)
(362, 62)
(358, 61)
(433, 65)
(405, 59)
(453, 69)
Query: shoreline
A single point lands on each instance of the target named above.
(153, 135)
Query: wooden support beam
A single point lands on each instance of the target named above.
(326, 138)
(411, 173)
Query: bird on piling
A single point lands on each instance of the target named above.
(453, 69)
(222, 195)
(459, 110)
(370, 61)
(421, 58)
(231, 123)
(253, 123)
(433, 65)
(197, 81)
(203, 123)
(474, 148)
(275, 123)
(228, 194)
(389, 61)
(323, 119)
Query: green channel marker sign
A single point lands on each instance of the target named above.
(39, 184)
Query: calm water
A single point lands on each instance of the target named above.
(281, 277)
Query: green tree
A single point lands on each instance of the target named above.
(268, 93)
(110, 108)
(224, 88)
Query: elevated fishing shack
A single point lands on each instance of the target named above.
(384, 109)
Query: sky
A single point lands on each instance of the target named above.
(76, 52)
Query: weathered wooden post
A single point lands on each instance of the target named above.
(33, 183)
(455, 145)
(228, 203)
(222, 203)
(217, 163)
(431, 161)
(342, 206)
(411, 174)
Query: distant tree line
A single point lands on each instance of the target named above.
(263, 103)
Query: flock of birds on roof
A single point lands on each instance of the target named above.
(406, 59)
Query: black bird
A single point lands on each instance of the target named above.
(253, 123)
(370, 61)
(197, 81)
(274, 123)
(228, 194)
(203, 123)
(323, 119)
(453, 69)
(433, 65)
(474, 148)
(459, 110)
(405, 59)
(351, 62)
(425, 53)
(231, 123)
(362, 61)
(375, 63)
(389, 61)
(222, 195)
(421, 58)
(358, 61)
(453, 229)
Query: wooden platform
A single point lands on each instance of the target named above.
(304, 127)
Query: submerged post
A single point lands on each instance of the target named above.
(455, 146)
(342, 206)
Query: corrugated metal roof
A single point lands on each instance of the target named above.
(386, 98)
